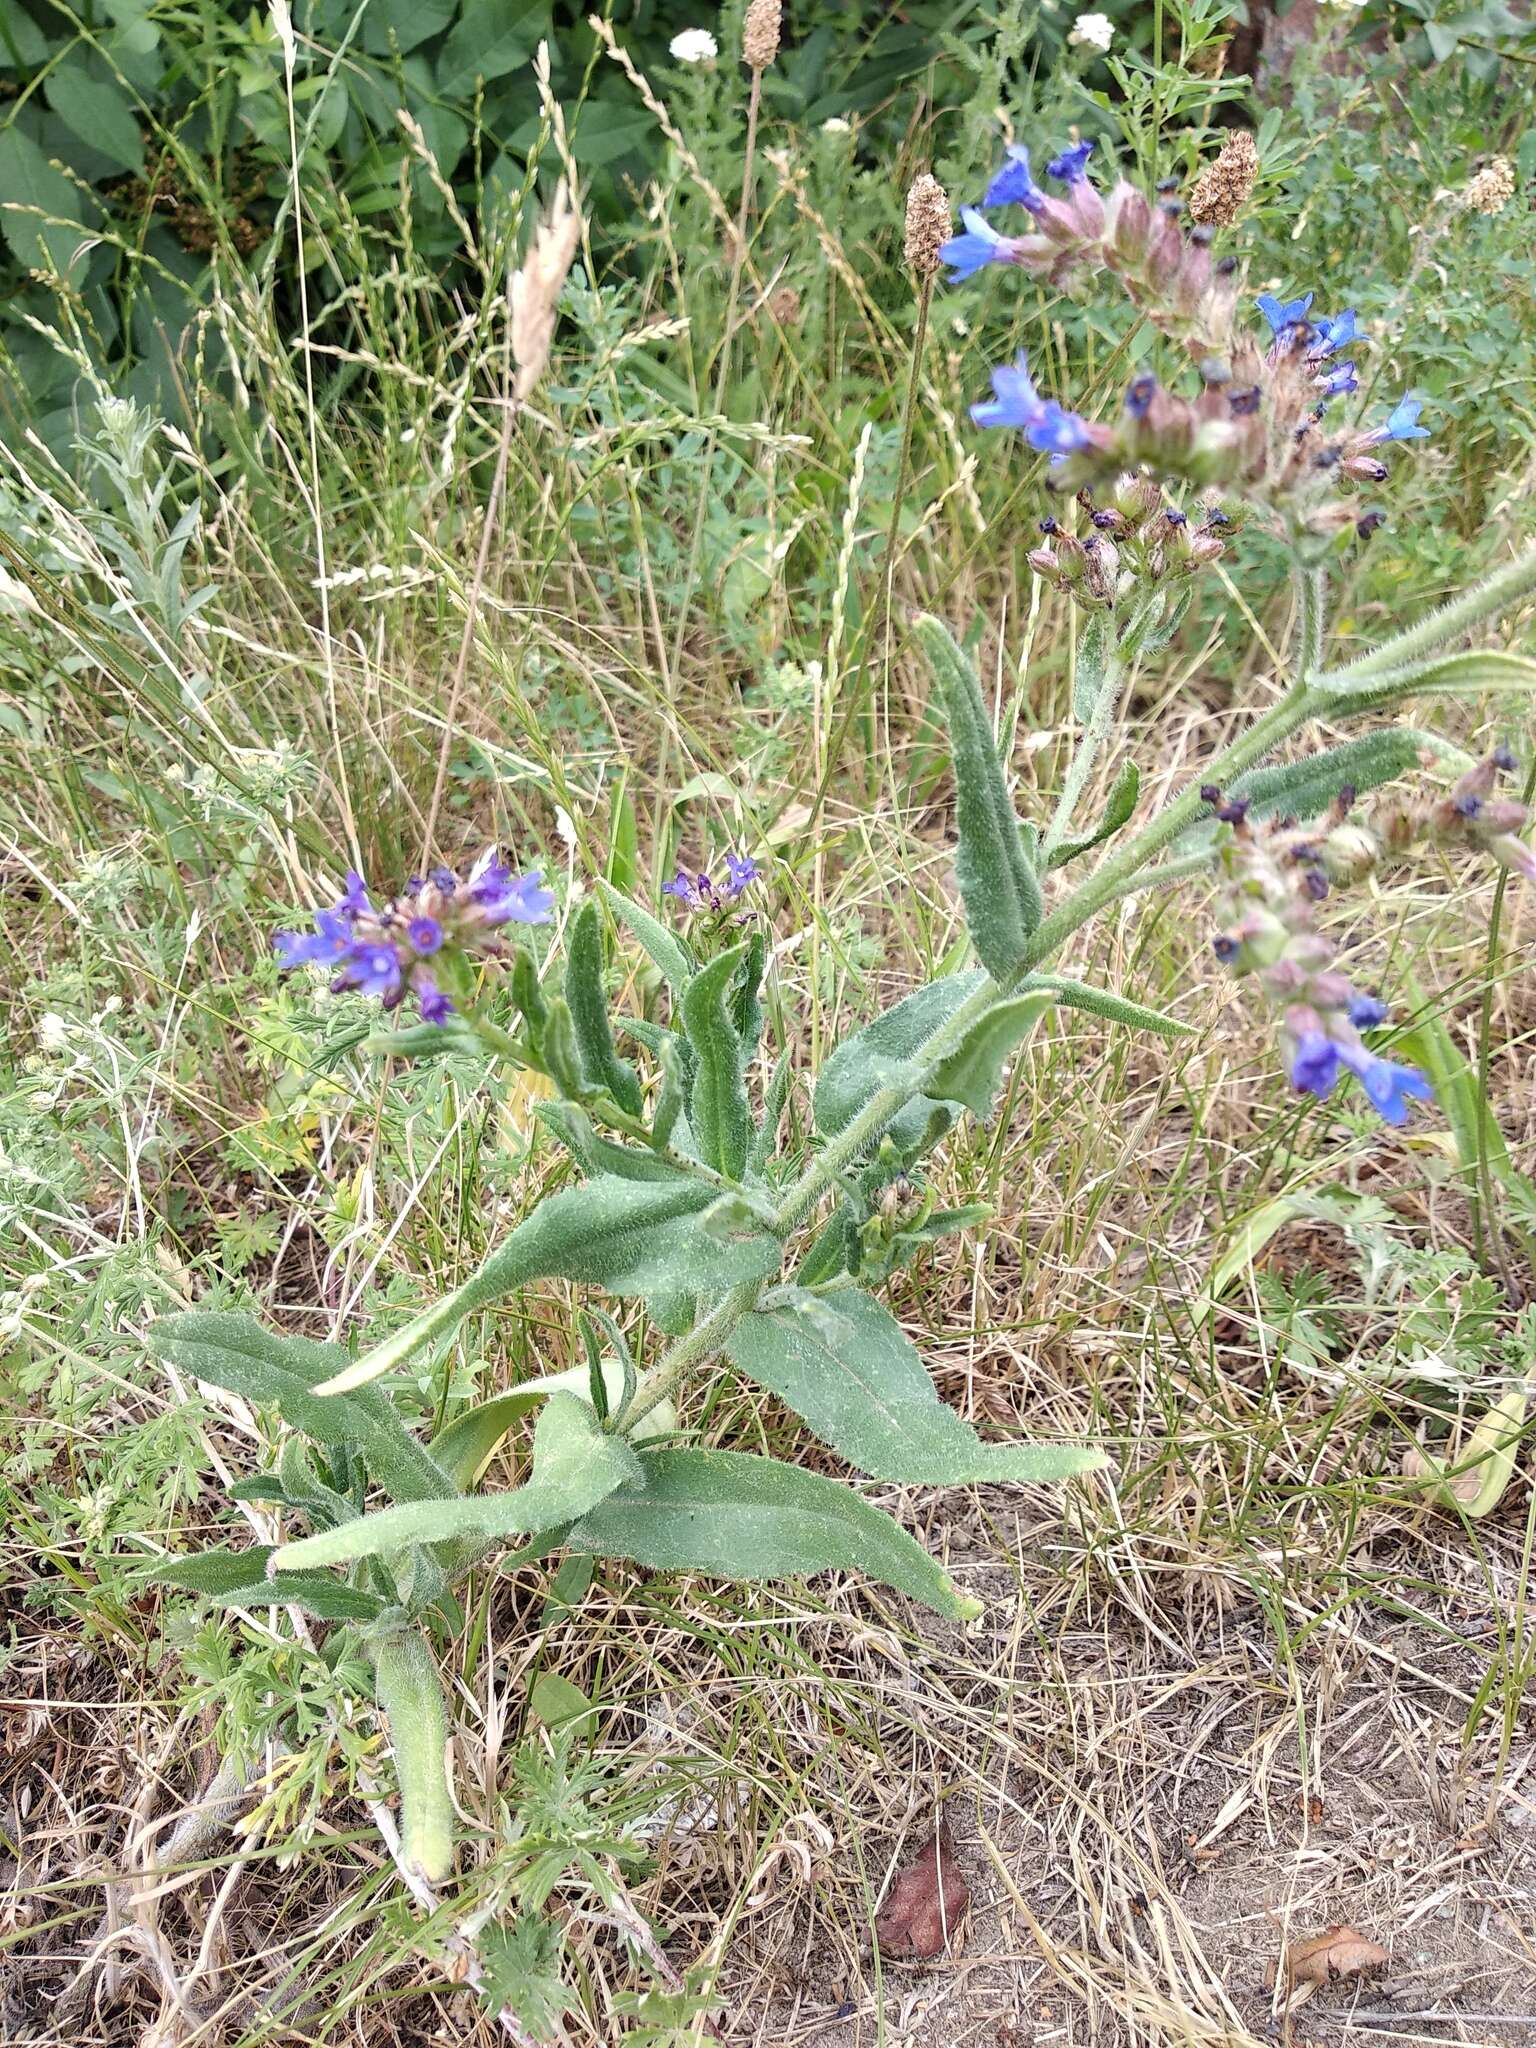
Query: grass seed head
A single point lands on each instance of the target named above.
(535, 290)
(928, 225)
(760, 33)
(1224, 187)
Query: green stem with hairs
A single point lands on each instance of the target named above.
(1085, 755)
(1485, 600)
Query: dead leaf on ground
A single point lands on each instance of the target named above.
(1337, 1952)
(924, 1905)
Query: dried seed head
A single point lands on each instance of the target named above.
(785, 306)
(760, 33)
(1493, 187)
(928, 225)
(1224, 187)
(535, 289)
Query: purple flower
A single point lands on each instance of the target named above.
(354, 902)
(1014, 184)
(1044, 424)
(1341, 379)
(1335, 332)
(435, 1006)
(1401, 424)
(1387, 1085)
(1366, 1012)
(741, 871)
(980, 245)
(1314, 1063)
(681, 886)
(1283, 317)
(373, 969)
(321, 947)
(522, 899)
(425, 934)
(1071, 165)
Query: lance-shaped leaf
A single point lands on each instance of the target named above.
(626, 1236)
(718, 1115)
(1117, 811)
(742, 1517)
(973, 1073)
(575, 1465)
(1094, 650)
(1099, 1002)
(1305, 789)
(464, 1446)
(885, 1052)
(234, 1352)
(1452, 675)
(666, 950)
(596, 1154)
(998, 883)
(845, 1366)
(238, 1578)
(587, 1000)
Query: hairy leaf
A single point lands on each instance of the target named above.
(741, 1517)
(587, 1000)
(845, 1366)
(575, 1464)
(234, 1352)
(238, 1578)
(883, 1052)
(1305, 789)
(998, 883)
(1093, 654)
(464, 1447)
(718, 1115)
(666, 950)
(973, 1073)
(1099, 1002)
(596, 1154)
(1117, 811)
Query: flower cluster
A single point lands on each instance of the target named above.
(1259, 427)
(699, 892)
(1276, 877)
(1470, 814)
(422, 937)
(1136, 537)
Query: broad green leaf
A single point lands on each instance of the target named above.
(998, 883)
(40, 209)
(1305, 789)
(741, 1517)
(575, 1465)
(488, 40)
(884, 1052)
(666, 950)
(97, 109)
(464, 1447)
(1093, 654)
(408, 1689)
(1098, 1002)
(974, 1072)
(1472, 1478)
(557, 1703)
(238, 1578)
(746, 1010)
(717, 1104)
(1122, 802)
(236, 1353)
(845, 1366)
(587, 999)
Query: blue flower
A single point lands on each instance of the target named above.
(1314, 1063)
(354, 902)
(1401, 424)
(1341, 379)
(435, 1006)
(1387, 1085)
(1366, 1012)
(372, 969)
(1014, 184)
(1282, 318)
(1044, 424)
(1071, 165)
(980, 245)
(425, 934)
(742, 870)
(514, 899)
(681, 886)
(323, 946)
(1335, 332)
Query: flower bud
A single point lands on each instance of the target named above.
(1350, 852)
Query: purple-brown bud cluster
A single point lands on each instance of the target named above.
(1132, 536)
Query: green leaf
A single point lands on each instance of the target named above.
(628, 1237)
(1452, 675)
(741, 1517)
(885, 1052)
(1093, 653)
(408, 1689)
(575, 1465)
(596, 1154)
(844, 1365)
(601, 1067)
(40, 209)
(666, 951)
(1471, 1478)
(464, 1447)
(557, 1703)
(1098, 1002)
(1122, 802)
(718, 1114)
(238, 1578)
(973, 1073)
(998, 883)
(1305, 789)
(486, 42)
(236, 1353)
(97, 110)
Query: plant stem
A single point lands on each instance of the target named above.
(1089, 746)
(1311, 582)
(1485, 600)
(405, 1678)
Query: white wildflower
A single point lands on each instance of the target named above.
(1092, 31)
(694, 46)
(836, 125)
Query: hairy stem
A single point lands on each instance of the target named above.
(1484, 601)
(405, 1678)
(1311, 581)
(1090, 745)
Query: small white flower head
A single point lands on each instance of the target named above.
(1092, 32)
(836, 125)
(694, 46)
